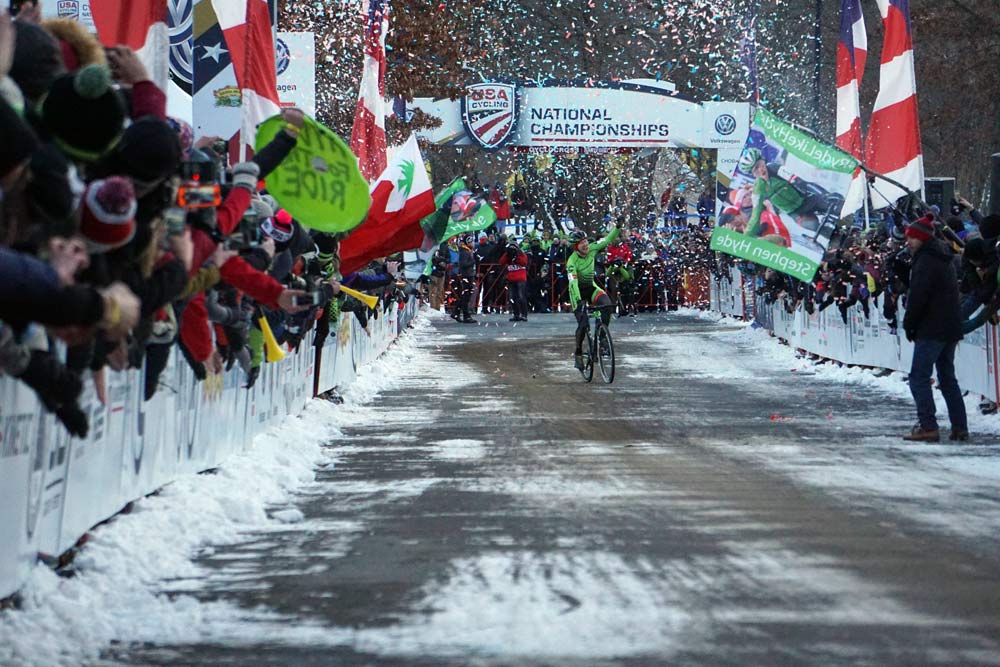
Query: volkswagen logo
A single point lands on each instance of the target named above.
(282, 56)
(725, 124)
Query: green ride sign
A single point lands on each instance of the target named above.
(319, 182)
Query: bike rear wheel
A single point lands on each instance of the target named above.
(588, 359)
(606, 354)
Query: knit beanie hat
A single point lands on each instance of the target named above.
(85, 115)
(54, 190)
(185, 134)
(922, 229)
(108, 217)
(17, 139)
(148, 151)
(989, 228)
(975, 251)
(37, 60)
(279, 226)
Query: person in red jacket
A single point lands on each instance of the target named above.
(501, 206)
(516, 262)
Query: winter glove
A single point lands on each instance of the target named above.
(252, 377)
(52, 381)
(245, 175)
(910, 334)
(74, 419)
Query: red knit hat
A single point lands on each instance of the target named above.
(922, 229)
(279, 226)
(107, 219)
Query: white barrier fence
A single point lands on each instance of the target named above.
(54, 488)
(861, 341)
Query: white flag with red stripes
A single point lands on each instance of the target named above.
(893, 144)
(852, 53)
(142, 27)
(368, 133)
(246, 27)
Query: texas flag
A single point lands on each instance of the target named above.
(246, 27)
(401, 198)
(142, 27)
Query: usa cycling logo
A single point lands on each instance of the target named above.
(725, 124)
(282, 56)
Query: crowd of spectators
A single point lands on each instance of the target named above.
(124, 236)
(648, 269)
(871, 268)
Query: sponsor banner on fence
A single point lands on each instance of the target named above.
(861, 340)
(784, 198)
(54, 488)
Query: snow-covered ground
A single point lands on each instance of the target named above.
(115, 595)
(136, 578)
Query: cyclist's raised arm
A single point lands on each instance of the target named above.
(603, 243)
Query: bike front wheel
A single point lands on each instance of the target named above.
(588, 360)
(606, 354)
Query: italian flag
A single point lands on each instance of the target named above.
(401, 198)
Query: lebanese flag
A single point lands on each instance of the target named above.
(368, 133)
(401, 198)
(142, 28)
(246, 27)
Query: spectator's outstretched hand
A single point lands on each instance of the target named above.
(121, 310)
(287, 301)
(294, 116)
(68, 257)
(221, 255)
(126, 66)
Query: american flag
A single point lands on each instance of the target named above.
(368, 133)
(893, 144)
(246, 27)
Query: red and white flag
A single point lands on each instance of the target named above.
(893, 144)
(401, 198)
(246, 27)
(142, 28)
(852, 53)
(368, 132)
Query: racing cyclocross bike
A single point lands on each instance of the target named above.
(598, 348)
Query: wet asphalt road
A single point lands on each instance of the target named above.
(495, 510)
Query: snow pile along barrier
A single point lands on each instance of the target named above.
(54, 488)
(862, 341)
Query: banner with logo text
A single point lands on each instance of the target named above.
(784, 198)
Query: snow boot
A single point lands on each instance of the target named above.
(920, 434)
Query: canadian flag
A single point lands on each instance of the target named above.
(401, 198)
(246, 27)
(142, 27)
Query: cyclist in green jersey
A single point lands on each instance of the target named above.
(582, 290)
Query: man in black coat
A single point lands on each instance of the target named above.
(934, 323)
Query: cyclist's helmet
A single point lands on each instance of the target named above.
(577, 236)
(748, 159)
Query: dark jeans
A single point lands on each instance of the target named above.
(519, 298)
(927, 354)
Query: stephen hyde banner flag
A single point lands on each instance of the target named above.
(786, 195)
